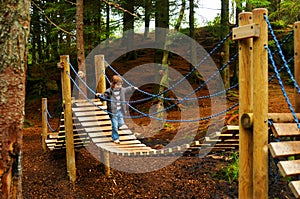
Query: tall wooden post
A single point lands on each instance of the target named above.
(297, 63)
(44, 124)
(260, 107)
(70, 153)
(100, 73)
(245, 107)
(101, 87)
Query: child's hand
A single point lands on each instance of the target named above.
(98, 94)
(135, 88)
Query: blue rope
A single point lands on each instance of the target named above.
(185, 77)
(151, 115)
(281, 54)
(46, 113)
(164, 98)
(281, 68)
(185, 99)
(282, 87)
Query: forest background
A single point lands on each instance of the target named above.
(67, 27)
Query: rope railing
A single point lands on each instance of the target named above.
(47, 116)
(142, 114)
(187, 75)
(153, 96)
(281, 54)
(159, 95)
(282, 86)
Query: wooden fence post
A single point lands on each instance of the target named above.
(44, 124)
(100, 73)
(297, 63)
(245, 107)
(260, 107)
(101, 87)
(68, 121)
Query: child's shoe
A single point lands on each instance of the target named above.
(117, 141)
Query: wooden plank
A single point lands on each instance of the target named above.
(96, 123)
(106, 134)
(285, 129)
(230, 128)
(284, 149)
(108, 139)
(87, 103)
(282, 117)
(289, 168)
(208, 139)
(84, 100)
(89, 108)
(89, 113)
(94, 118)
(98, 129)
(295, 187)
(245, 31)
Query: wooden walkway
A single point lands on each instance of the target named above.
(286, 150)
(92, 124)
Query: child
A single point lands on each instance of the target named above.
(116, 109)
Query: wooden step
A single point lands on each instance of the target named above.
(289, 168)
(295, 187)
(93, 118)
(87, 103)
(96, 123)
(89, 113)
(285, 129)
(89, 108)
(230, 128)
(284, 148)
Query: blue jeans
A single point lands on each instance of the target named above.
(116, 121)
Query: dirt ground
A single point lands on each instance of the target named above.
(45, 176)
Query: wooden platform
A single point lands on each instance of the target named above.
(286, 150)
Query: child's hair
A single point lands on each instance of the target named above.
(114, 80)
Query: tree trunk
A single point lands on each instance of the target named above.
(107, 34)
(225, 50)
(148, 11)
(14, 26)
(80, 44)
(128, 29)
(181, 14)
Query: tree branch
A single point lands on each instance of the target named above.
(42, 11)
(117, 6)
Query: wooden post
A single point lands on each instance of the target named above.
(70, 153)
(260, 107)
(245, 107)
(44, 124)
(101, 87)
(297, 63)
(100, 74)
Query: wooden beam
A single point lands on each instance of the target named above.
(284, 148)
(297, 63)
(295, 187)
(285, 130)
(245, 31)
(44, 124)
(70, 152)
(100, 74)
(246, 106)
(282, 117)
(260, 107)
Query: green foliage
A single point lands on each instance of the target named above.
(259, 3)
(230, 172)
